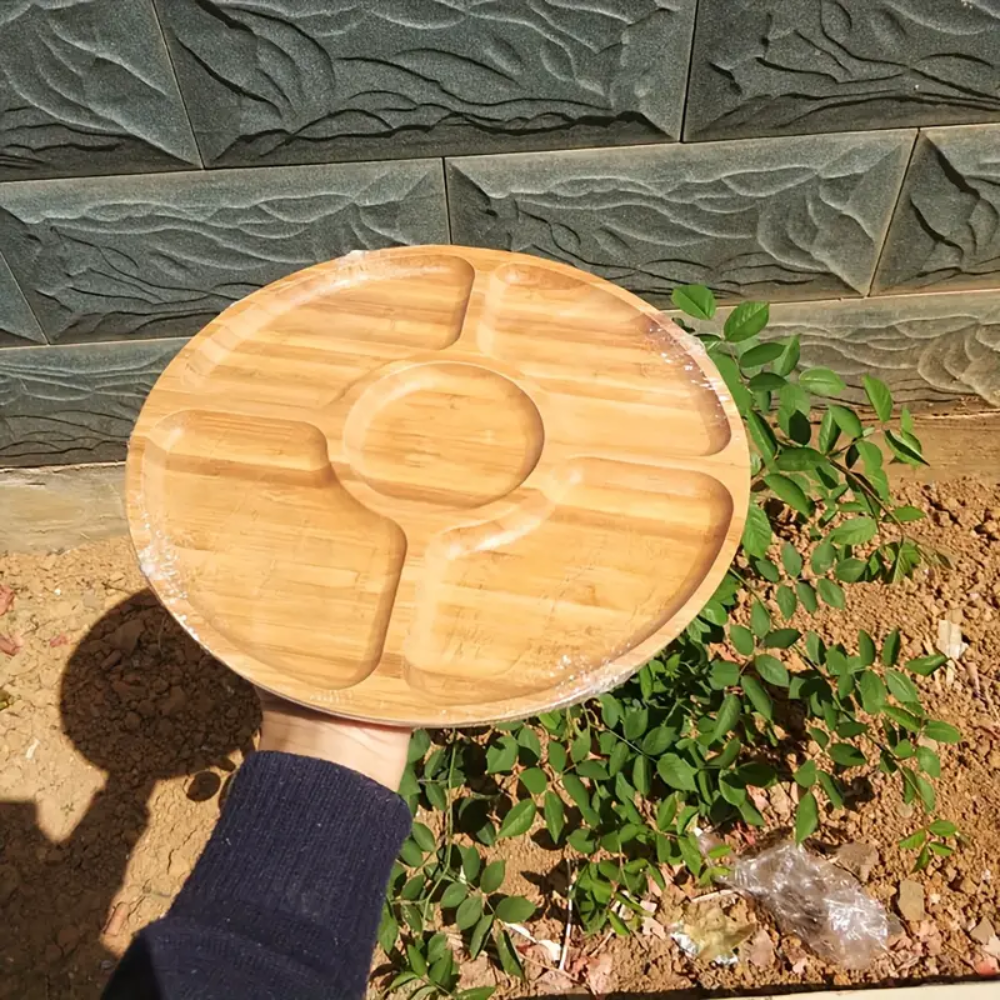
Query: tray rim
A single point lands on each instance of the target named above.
(602, 679)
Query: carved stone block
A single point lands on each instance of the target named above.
(87, 88)
(774, 219)
(945, 232)
(787, 67)
(287, 82)
(66, 405)
(160, 255)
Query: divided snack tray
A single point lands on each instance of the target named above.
(437, 485)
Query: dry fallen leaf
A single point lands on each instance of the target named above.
(987, 966)
(599, 975)
(59, 640)
(554, 981)
(10, 645)
(6, 598)
(760, 951)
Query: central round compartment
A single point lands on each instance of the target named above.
(449, 433)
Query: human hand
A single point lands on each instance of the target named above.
(376, 751)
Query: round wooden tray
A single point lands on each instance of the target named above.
(437, 485)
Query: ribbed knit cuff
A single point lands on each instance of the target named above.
(299, 860)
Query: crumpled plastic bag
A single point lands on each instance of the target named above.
(820, 903)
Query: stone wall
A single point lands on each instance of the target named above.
(840, 158)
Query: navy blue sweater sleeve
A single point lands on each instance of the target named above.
(286, 898)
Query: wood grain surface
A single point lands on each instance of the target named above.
(437, 485)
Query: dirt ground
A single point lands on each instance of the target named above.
(117, 735)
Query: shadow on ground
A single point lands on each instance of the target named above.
(162, 710)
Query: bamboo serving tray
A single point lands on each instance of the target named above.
(437, 485)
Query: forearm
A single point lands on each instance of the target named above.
(286, 898)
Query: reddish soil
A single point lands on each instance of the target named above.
(117, 735)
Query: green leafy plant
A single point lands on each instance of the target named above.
(622, 782)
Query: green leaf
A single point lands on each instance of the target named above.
(420, 743)
(782, 638)
(410, 854)
(478, 937)
(640, 775)
(402, 979)
(790, 492)
(729, 715)
(636, 722)
(873, 692)
(847, 420)
(806, 774)
(509, 961)
(791, 559)
(471, 863)
(821, 382)
(846, 755)
(756, 532)
(767, 570)
(903, 448)
(926, 665)
(902, 718)
(527, 738)
(879, 396)
(555, 815)
(942, 732)
(771, 670)
(618, 757)
(676, 772)
(724, 674)
(742, 639)
(453, 896)
(829, 785)
(761, 354)
(666, 812)
(943, 828)
(829, 432)
(657, 740)
(579, 749)
(866, 648)
(929, 761)
(514, 909)
(855, 531)
(789, 358)
(926, 792)
(914, 841)
(518, 821)
(806, 817)
(760, 620)
(787, 601)
(807, 596)
(501, 756)
(901, 687)
(388, 931)
(745, 321)
(831, 593)
(493, 876)
(823, 557)
(850, 570)
(476, 993)
(691, 853)
(577, 792)
(695, 300)
(759, 698)
(534, 780)
(890, 650)
(799, 460)
(423, 837)
(416, 960)
(558, 757)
